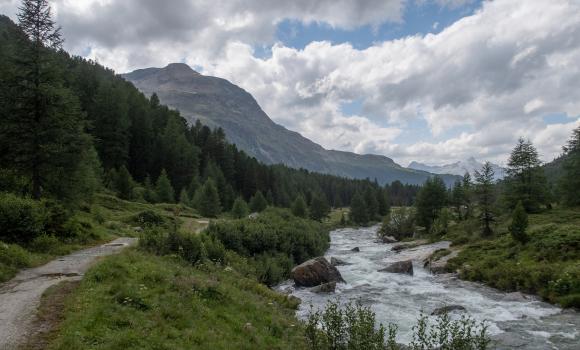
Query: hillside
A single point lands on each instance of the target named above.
(218, 103)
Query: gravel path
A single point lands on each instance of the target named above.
(20, 297)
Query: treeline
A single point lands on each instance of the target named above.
(70, 126)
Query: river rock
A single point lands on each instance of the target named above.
(338, 262)
(389, 239)
(324, 288)
(355, 249)
(400, 267)
(315, 272)
(447, 309)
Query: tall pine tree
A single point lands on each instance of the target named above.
(570, 181)
(485, 195)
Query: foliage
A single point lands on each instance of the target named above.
(163, 189)
(319, 208)
(400, 224)
(353, 327)
(258, 203)
(358, 210)
(240, 208)
(207, 200)
(526, 181)
(485, 196)
(299, 207)
(570, 182)
(149, 218)
(441, 224)
(430, 200)
(519, 224)
(124, 183)
(21, 219)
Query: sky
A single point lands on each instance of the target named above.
(434, 81)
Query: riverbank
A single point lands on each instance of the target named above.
(400, 298)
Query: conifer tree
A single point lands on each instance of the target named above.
(519, 224)
(430, 200)
(150, 196)
(485, 195)
(299, 208)
(184, 198)
(43, 126)
(358, 209)
(467, 193)
(383, 201)
(371, 203)
(526, 181)
(124, 184)
(319, 208)
(258, 202)
(457, 198)
(240, 208)
(570, 181)
(208, 202)
(164, 191)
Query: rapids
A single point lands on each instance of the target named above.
(400, 299)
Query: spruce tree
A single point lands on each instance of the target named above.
(163, 189)
(485, 195)
(467, 193)
(299, 208)
(319, 208)
(240, 208)
(430, 200)
(258, 202)
(526, 181)
(383, 201)
(570, 181)
(124, 184)
(519, 224)
(43, 126)
(457, 198)
(208, 202)
(184, 198)
(371, 203)
(358, 209)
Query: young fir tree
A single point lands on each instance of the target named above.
(570, 181)
(150, 196)
(258, 202)
(124, 184)
(319, 208)
(208, 201)
(163, 189)
(526, 181)
(299, 207)
(519, 224)
(358, 209)
(430, 200)
(372, 203)
(383, 201)
(457, 198)
(240, 208)
(184, 198)
(42, 126)
(467, 189)
(485, 194)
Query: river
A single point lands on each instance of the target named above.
(529, 324)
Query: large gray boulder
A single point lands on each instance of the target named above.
(447, 309)
(324, 288)
(405, 267)
(315, 272)
(338, 262)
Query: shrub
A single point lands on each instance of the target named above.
(44, 243)
(519, 224)
(21, 219)
(148, 218)
(240, 208)
(400, 223)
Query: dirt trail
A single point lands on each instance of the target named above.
(20, 297)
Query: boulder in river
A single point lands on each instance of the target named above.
(389, 239)
(515, 296)
(315, 272)
(447, 309)
(324, 288)
(355, 249)
(400, 267)
(338, 262)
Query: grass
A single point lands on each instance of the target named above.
(547, 265)
(135, 300)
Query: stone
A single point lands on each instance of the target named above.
(389, 239)
(324, 288)
(355, 249)
(338, 262)
(315, 272)
(515, 297)
(405, 267)
(447, 309)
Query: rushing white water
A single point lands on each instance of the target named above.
(400, 299)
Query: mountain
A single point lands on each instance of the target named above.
(218, 103)
(458, 168)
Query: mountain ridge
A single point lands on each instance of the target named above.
(459, 168)
(217, 102)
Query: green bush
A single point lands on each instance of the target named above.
(21, 219)
(149, 218)
(400, 223)
(44, 243)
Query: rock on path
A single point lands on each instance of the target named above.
(20, 297)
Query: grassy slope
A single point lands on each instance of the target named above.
(548, 265)
(140, 301)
